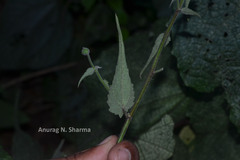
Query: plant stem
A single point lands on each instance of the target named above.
(124, 130)
(97, 73)
(178, 6)
(151, 73)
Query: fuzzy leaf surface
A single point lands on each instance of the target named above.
(157, 142)
(87, 73)
(164, 93)
(207, 51)
(188, 11)
(121, 93)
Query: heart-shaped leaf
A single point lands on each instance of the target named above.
(157, 142)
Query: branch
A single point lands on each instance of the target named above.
(151, 73)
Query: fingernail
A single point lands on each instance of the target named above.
(106, 140)
(124, 154)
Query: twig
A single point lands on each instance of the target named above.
(151, 73)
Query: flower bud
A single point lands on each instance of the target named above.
(85, 51)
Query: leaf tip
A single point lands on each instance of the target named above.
(116, 18)
(188, 11)
(171, 3)
(78, 84)
(140, 75)
(87, 73)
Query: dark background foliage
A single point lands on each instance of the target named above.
(40, 65)
(40, 62)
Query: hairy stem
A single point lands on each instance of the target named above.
(151, 73)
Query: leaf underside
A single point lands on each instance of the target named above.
(157, 142)
(121, 93)
(87, 73)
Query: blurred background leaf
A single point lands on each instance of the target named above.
(157, 142)
(207, 50)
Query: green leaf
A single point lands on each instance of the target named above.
(181, 151)
(155, 50)
(188, 11)
(208, 117)
(215, 137)
(162, 96)
(209, 58)
(4, 155)
(206, 114)
(187, 3)
(87, 73)
(157, 142)
(220, 146)
(164, 93)
(121, 93)
(24, 147)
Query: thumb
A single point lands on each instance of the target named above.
(99, 152)
(124, 151)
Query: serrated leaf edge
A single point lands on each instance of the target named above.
(121, 64)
